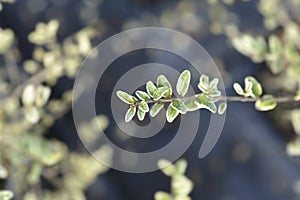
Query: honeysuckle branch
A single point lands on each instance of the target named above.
(289, 99)
(162, 93)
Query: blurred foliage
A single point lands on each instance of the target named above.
(28, 160)
(181, 186)
(280, 52)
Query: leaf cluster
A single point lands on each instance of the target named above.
(181, 186)
(161, 93)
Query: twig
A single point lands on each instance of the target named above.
(226, 98)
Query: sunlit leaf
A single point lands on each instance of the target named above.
(44, 33)
(265, 105)
(42, 95)
(216, 93)
(160, 92)
(151, 88)
(32, 114)
(167, 167)
(248, 87)
(171, 114)
(144, 106)
(181, 185)
(142, 95)
(256, 89)
(183, 82)
(191, 105)
(238, 89)
(162, 196)
(141, 114)
(130, 114)
(205, 102)
(204, 83)
(179, 106)
(162, 81)
(156, 108)
(125, 97)
(213, 85)
(29, 95)
(181, 166)
(222, 108)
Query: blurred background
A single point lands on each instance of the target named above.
(252, 159)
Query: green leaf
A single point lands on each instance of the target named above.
(151, 88)
(144, 106)
(238, 89)
(179, 106)
(125, 97)
(181, 166)
(167, 167)
(142, 95)
(162, 81)
(155, 109)
(42, 95)
(265, 105)
(141, 114)
(213, 85)
(130, 114)
(248, 87)
(222, 108)
(171, 114)
(29, 95)
(256, 89)
(181, 185)
(32, 114)
(215, 93)
(191, 105)
(135, 99)
(6, 195)
(162, 196)
(183, 82)
(205, 102)
(204, 83)
(160, 92)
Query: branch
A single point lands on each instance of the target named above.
(289, 99)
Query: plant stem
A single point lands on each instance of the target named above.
(289, 99)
